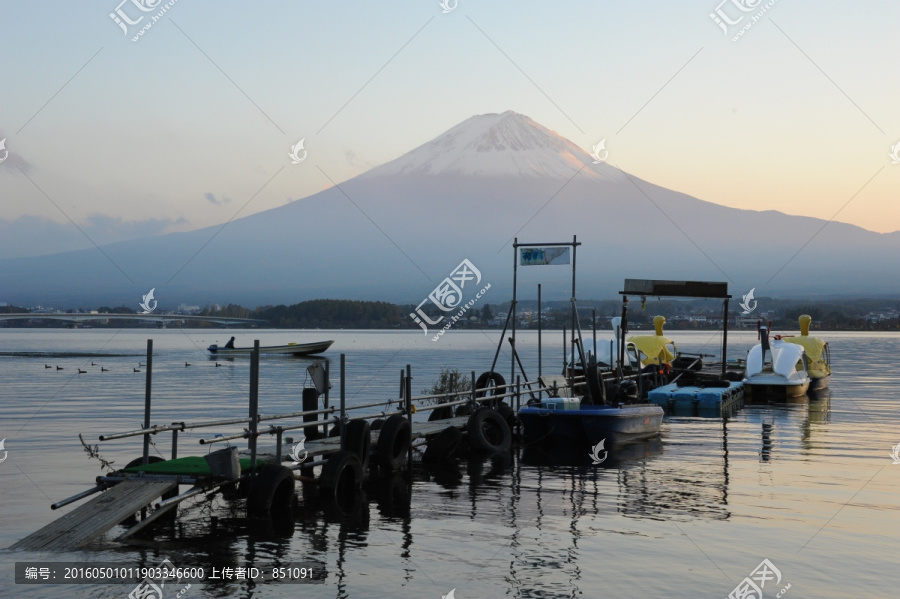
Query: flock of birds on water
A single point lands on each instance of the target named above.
(104, 369)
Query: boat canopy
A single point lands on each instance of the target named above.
(608, 358)
(814, 346)
(785, 359)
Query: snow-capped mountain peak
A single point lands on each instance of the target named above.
(506, 144)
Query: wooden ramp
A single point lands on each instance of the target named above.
(87, 522)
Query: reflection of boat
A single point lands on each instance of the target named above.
(614, 457)
(783, 374)
(585, 425)
(817, 355)
(295, 349)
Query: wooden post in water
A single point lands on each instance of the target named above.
(254, 401)
(147, 387)
(408, 393)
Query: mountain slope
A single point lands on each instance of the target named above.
(467, 194)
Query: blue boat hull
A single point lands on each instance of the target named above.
(591, 424)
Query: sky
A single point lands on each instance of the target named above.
(193, 124)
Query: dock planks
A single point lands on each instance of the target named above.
(89, 521)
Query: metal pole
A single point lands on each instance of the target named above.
(565, 355)
(175, 444)
(574, 307)
(147, 386)
(724, 337)
(343, 390)
(409, 412)
(540, 324)
(254, 401)
(325, 400)
(512, 361)
(594, 325)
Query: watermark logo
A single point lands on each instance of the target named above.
(449, 6)
(745, 304)
(146, 303)
(6, 152)
(595, 152)
(764, 572)
(733, 17)
(448, 295)
(595, 453)
(451, 594)
(5, 453)
(123, 20)
(895, 153)
(295, 452)
(152, 586)
(895, 452)
(296, 158)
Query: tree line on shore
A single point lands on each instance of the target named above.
(847, 314)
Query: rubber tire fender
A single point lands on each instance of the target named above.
(357, 438)
(271, 491)
(442, 445)
(488, 431)
(341, 478)
(393, 443)
(487, 383)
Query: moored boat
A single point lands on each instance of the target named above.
(817, 355)
(585, 424)
(777, 369)
(294, 349)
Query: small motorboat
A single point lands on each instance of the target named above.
(777, 369)
(817, 355)
(293, 349)
(566, 420)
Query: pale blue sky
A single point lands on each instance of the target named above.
(796, 119)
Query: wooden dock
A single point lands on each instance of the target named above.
(89, 521)
(329, 445)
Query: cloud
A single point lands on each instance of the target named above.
(212, 199)
(31, 235)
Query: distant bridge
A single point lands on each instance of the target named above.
(78, 317)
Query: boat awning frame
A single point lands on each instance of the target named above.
(661, 288)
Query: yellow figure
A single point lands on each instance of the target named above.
(654, 346)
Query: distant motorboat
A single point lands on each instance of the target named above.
(777, 369)
(294, 349)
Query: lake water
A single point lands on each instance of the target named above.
(809, 486)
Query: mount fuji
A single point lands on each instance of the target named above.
(394, 232)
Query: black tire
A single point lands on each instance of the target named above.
(507, 413)
(442, 445)
(486, 384)
(153, 459)
(377, 424)
(357, 438)
(335, 430)
(341, 478)
(271, 491)
(440, 414)
(393, 443)
(488, 431)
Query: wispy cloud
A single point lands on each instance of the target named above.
(212, 199)
(17, 236)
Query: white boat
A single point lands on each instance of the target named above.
(778, 368)
(817, 355)
(608, 349)
(294, 349)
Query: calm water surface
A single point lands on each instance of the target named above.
(810, 486)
